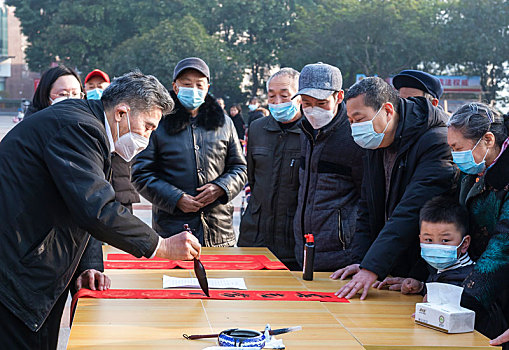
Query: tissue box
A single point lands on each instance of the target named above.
(445, 318)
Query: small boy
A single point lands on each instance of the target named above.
(444, 244)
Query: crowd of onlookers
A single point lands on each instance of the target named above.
(395, 191)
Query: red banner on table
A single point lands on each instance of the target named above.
(210, 262)
(214, 294)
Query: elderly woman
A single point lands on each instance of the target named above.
(479, 140)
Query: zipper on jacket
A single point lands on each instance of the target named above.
(275, 199)
(396, 166)
(306, 189)
(340, 230)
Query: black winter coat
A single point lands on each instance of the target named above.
(185, 153)
(423, 170)
(253, 115)
(330, 183)
(238, 122)
(273, 159)
(53, 190)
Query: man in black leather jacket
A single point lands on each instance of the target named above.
(193, 166)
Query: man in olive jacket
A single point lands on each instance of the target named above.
(54, 170)
(193, 166)
(407, 163)
(273, 158)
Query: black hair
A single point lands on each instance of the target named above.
(445, 209)
(41, 95)
(253, 99)
(376, 92)
(475, 119)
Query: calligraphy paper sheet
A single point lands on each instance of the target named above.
(214, 283)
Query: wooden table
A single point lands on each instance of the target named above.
(383, 321)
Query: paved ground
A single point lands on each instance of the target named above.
(143, 210)
(6, 124)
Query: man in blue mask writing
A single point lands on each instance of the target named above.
(407, 163)
(193, 166)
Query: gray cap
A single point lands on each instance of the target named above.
(191, 63)
(319, 80)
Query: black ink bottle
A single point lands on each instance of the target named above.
(309, 257)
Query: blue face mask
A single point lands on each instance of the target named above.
(466, 162)
(95, 94)
(283, 112)
(191, 98)
(252, 107)
(365, 135)
(440, 256)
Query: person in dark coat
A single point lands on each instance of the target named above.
(95, 83)
(478, 137)
(238, 120)
(58, 84)
(407, 163)
(193, 166)
(330, 170)
(414, 83)
(54, 189)
(273, 160)
(255, 111)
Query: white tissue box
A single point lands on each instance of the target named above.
(445, 318)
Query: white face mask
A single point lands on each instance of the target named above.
(58, 99)
(130, 144)
(318, 117)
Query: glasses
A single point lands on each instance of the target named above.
(71, 94)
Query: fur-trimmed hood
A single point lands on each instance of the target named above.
(210, 116)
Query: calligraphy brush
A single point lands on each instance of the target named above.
(271, 332)
(199, 270)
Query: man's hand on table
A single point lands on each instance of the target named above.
(345, 272)
(394, 283)
(93, 279)
(363, 279)
(501, 339)
(183, 246)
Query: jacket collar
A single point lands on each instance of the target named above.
(97, 108)
(325, 131)
(273, 125)
(498, 175)
(416, 116)
(210, 116)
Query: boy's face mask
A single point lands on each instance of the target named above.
(440, 256)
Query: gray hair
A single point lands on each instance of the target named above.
(376, 92)
(475, 119)
(141, 92)
(287, 72)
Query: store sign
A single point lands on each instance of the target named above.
(460, 84)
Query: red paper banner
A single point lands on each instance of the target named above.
(210, 262)
(214, 294)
